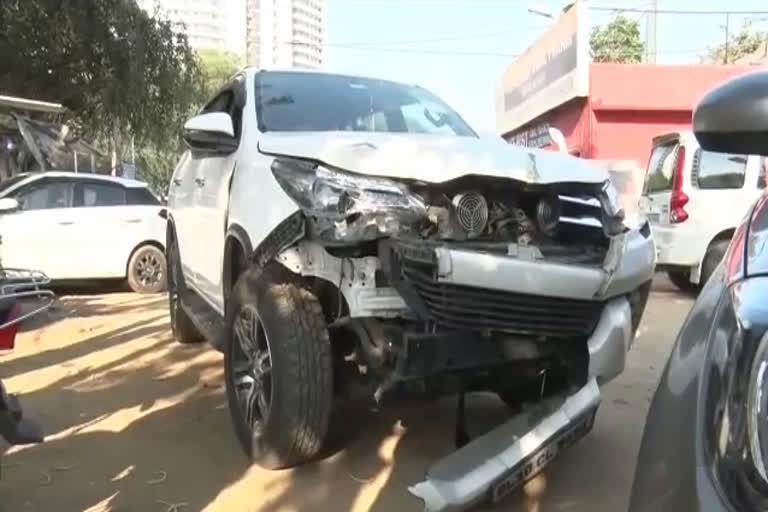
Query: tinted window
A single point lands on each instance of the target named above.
(45, 195)
(141, 196)
(661, 168)
(99, 194)
(293, 102)
(720, 170)
(761, 173)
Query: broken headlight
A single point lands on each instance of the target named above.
(345, 207)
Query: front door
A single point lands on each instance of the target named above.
(40, 235)
(214, 174)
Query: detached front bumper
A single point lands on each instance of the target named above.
(495, 464)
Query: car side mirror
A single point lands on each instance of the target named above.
(733, 118)
(211, 133)
(8, 205)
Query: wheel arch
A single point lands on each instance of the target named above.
(237, 248)
(722, 235)
(152, 242)
(287, 232)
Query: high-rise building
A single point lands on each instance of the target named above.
(285, 33)
(208, 24)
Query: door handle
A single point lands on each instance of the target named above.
(200, 182)
(177, 182)
(66, 223)
(133, 221)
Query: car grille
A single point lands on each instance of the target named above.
(471, 308)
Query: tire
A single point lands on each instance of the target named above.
(286, 335)
(712, 258)
(184, 330)
(682, 279)
(147, 270)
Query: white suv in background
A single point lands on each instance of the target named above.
(76, 226)
(694, 199)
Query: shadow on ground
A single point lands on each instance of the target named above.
(140, 423)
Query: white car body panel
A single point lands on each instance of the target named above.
(711, 213)
(431, 158)
(78, 242)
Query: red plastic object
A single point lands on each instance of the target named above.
(678, 199)
(8, 334)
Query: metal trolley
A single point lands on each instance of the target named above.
(23, 294)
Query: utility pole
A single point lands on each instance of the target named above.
(651, 33)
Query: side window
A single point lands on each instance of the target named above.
(141, 196)
(761, 173)
(44, 196)
(227, 102)
(720, 170)
(99, 194)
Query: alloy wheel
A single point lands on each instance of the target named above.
(252, 365)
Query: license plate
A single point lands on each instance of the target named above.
(654, 218)
(534, 463)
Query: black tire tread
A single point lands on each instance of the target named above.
(302, 373)
(682, 280)
(715, 253)
(183, 328)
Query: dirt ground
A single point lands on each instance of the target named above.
(136, 422)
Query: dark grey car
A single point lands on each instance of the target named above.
(705, 445)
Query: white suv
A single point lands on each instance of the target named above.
(326, 230)
(694, 199)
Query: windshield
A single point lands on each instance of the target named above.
(292, 102)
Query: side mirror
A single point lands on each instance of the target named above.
(212, 132)
(733, 118)
(8, 205)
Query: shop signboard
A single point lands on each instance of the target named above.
(552, 71)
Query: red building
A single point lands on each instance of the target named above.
(626, 106)
(605, 111)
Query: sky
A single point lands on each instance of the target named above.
(459, 49)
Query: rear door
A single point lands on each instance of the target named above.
(659, 179)
(110, 226)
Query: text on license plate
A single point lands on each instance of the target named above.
(531, 465)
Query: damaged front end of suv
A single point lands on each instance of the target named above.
(525, 284)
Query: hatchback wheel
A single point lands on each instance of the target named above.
(147, 270)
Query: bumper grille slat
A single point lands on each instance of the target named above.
(471, 308)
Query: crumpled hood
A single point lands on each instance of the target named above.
(431, 158)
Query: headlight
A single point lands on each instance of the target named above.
(346, 206)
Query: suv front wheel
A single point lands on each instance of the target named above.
(278, 368)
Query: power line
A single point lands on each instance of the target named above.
(675, 11)
(447, 38)
(458, 53)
